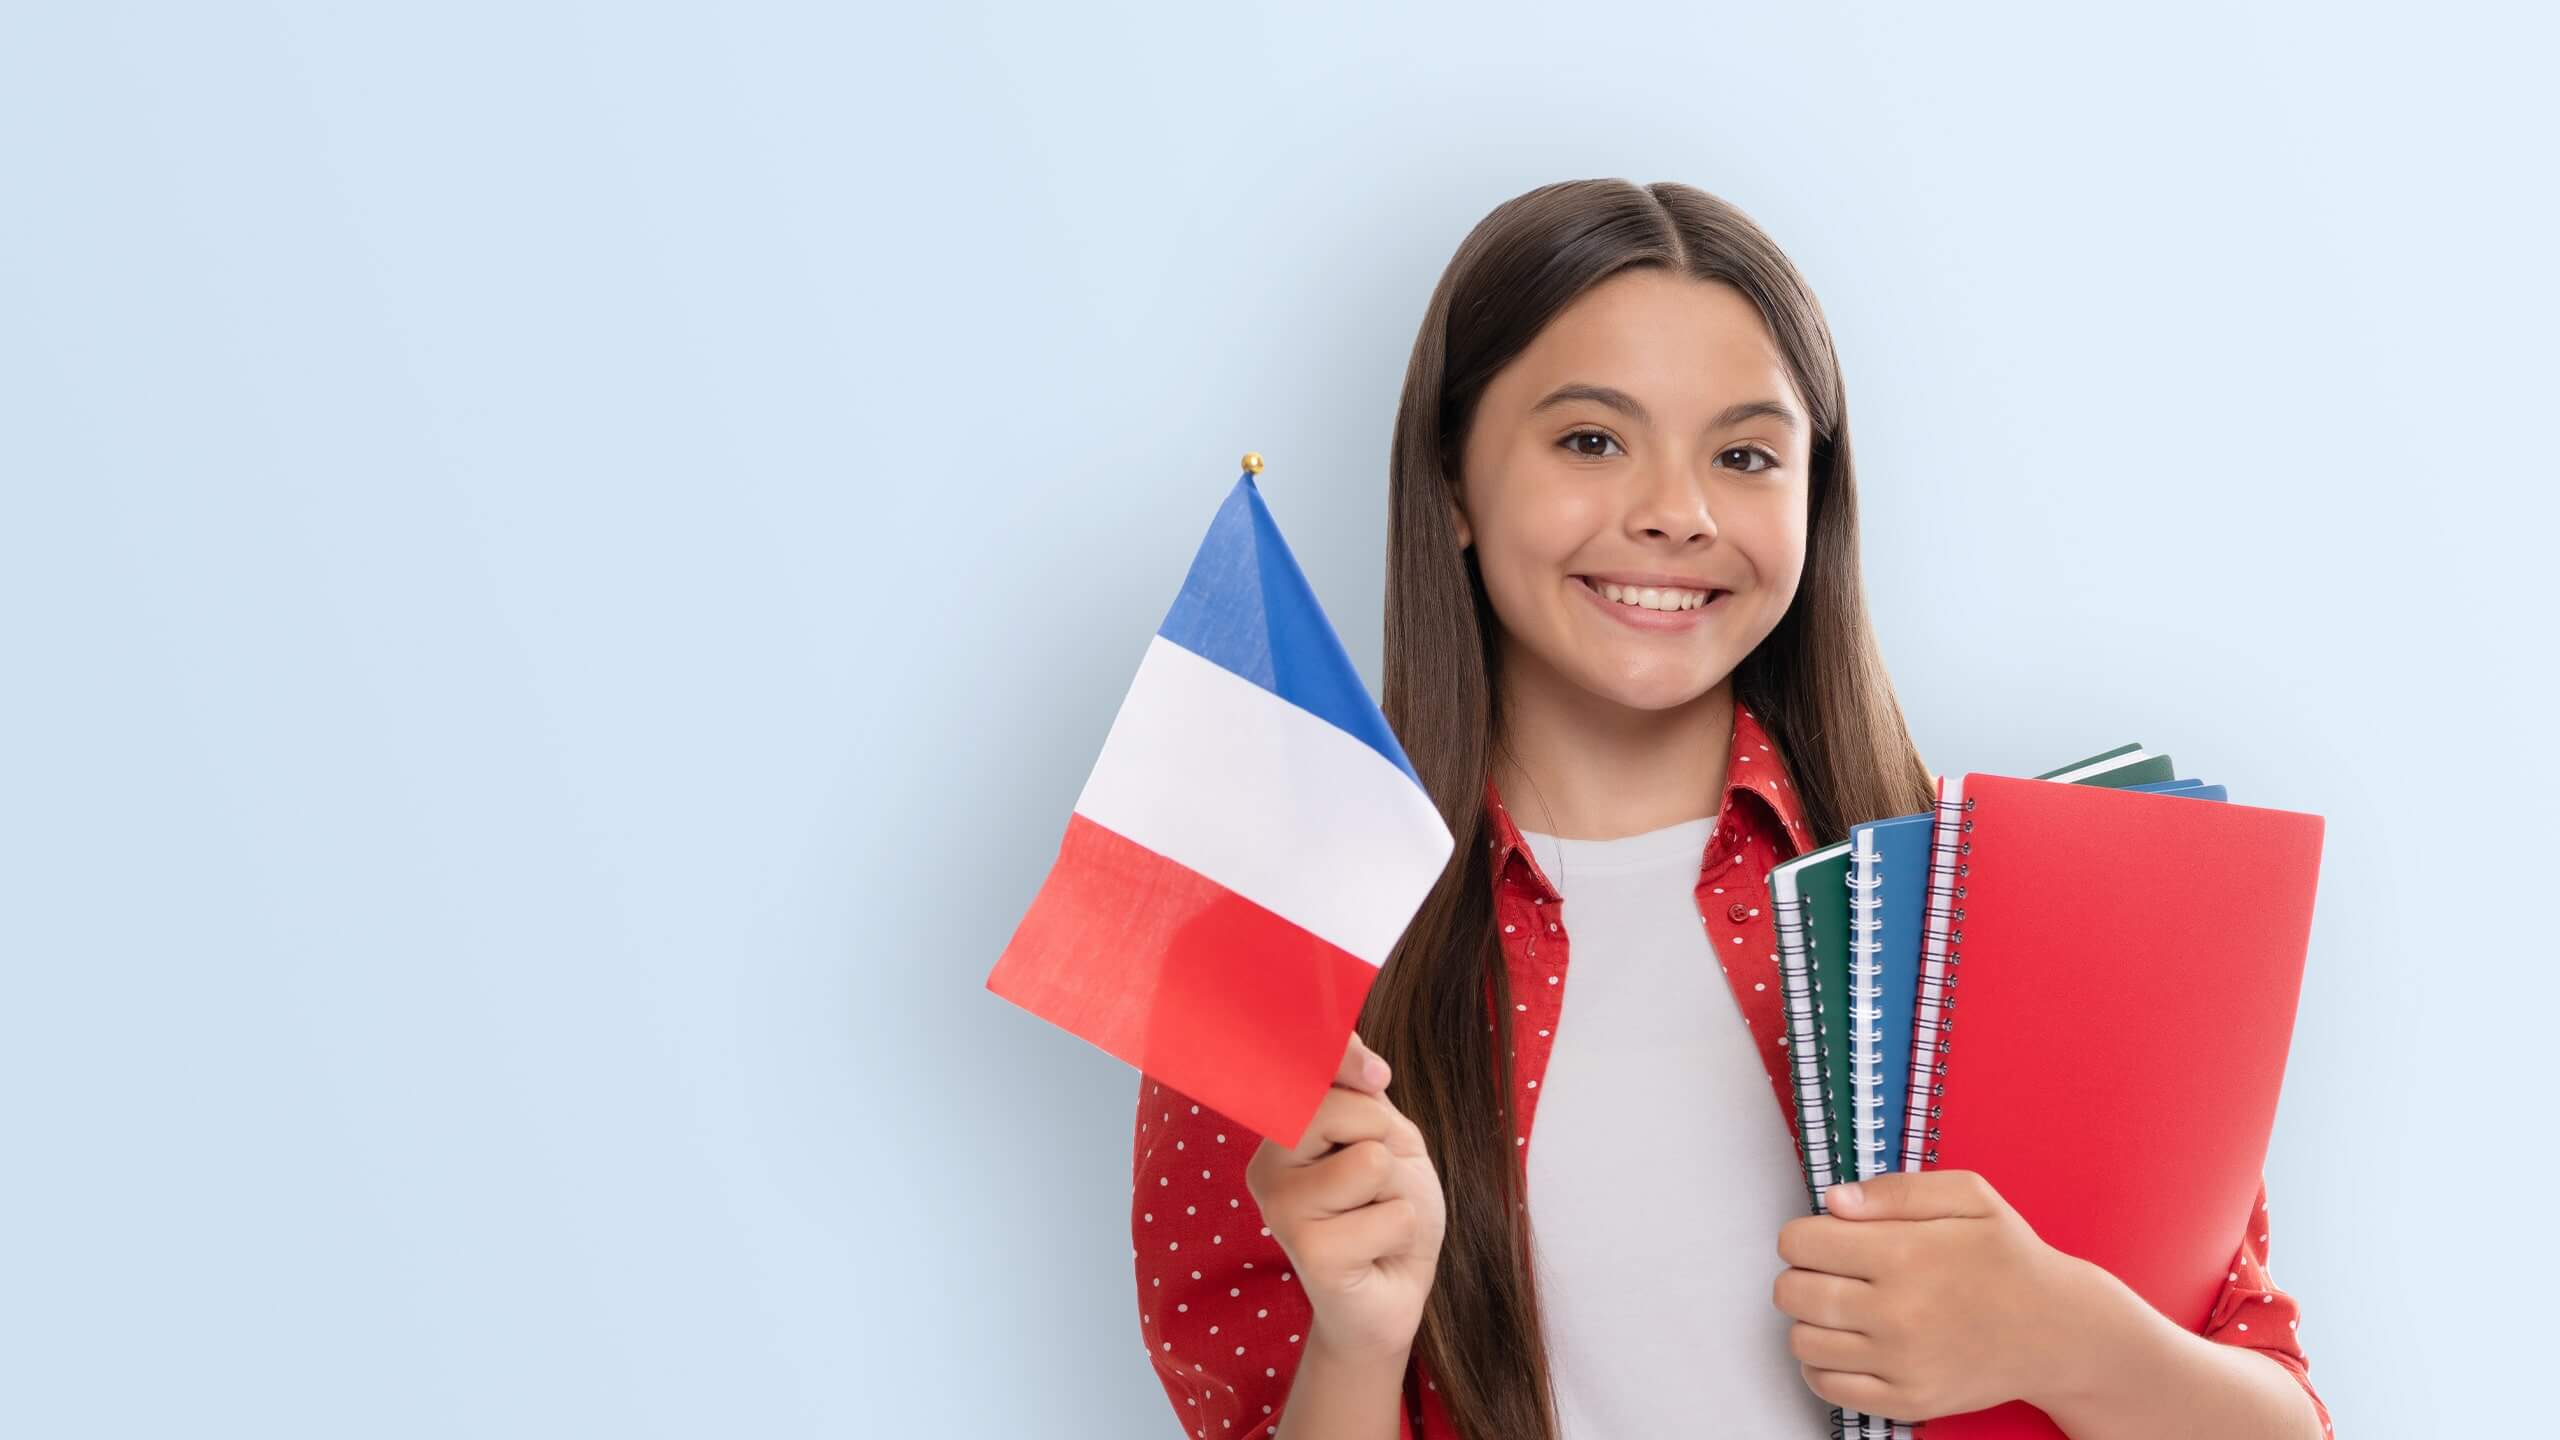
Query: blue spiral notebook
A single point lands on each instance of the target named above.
(1888, 895)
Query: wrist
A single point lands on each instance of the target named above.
(1344, 1390)
(2101, 1328)
(1349, 1353)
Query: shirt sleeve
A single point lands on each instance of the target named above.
(1223, 1317)
(2255, 1314)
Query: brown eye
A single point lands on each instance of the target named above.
(1570, 442)
(1754, 450)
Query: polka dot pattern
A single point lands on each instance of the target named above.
(2252, 1312)
(1221, 1315)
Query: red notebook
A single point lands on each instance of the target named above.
(2107, 994)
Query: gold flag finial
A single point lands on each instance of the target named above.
(1253, 461)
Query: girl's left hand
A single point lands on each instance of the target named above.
(1922, 1293)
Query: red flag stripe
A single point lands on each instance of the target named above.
(1185, 979)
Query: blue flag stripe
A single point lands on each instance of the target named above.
(1245, 606)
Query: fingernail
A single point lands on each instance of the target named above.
(1846, 1190)
(1376, 1071)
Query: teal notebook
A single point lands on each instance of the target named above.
(1808, 898)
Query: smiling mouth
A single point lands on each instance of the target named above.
(1658, 600)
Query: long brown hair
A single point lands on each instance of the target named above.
(1816, 682)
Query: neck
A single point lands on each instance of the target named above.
(1581, 767)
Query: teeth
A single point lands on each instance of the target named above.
(1649, 598)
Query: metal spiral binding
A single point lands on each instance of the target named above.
(1934, 1019)
(1804, 1042)
(1866, 1000)
(1866, 1014)
(1813, 1120)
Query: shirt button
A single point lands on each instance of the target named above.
(1737, 912)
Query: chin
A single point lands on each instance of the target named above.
(1657, 692)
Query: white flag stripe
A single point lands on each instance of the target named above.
(1212, 771)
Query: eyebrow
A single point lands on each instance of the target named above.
(1624, 403)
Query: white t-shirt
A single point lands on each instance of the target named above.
(1658, 1171)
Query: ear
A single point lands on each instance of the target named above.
(1458, 517)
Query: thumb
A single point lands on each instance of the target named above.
(1878, 1197)
(1362, 1068)
(1908, 1195)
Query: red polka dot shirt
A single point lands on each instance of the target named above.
(1224, 1320)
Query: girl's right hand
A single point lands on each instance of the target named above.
(1357, 1207)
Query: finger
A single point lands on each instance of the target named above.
(1372, 1232)
(1812, 1297)
(1824, 1348)
(1345, 1180)
(1852, 1248)
(1344, 1117)
(1362, 1068)
(1913, 1195)
(1854, 1390)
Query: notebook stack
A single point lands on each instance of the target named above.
(2121, 952)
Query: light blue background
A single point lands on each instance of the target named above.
(561, 568)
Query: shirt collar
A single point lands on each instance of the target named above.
(1753, 773)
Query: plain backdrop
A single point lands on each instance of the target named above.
(561, 568)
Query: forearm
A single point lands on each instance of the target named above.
(2136, 1375)
(1354, 1395)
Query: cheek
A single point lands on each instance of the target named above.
(1529, 542)
(1773, 536)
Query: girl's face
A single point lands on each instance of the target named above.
(1648, 439)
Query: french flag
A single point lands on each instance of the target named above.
(1250, 845)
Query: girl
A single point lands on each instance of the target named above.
(1624, 607)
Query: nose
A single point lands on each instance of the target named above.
(1672, 504)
